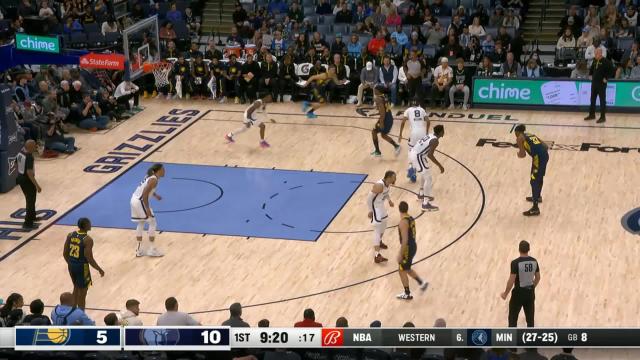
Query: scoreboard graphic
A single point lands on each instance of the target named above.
(67, 338)
(203, 338)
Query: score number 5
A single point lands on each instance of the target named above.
(101, 337)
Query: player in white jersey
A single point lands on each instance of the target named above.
(419, 123)
(142, 213)
(418, 156)
(250, 119)
(378, 212)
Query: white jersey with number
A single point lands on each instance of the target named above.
(250, 115)
(418, 154)
(379, 208)
(138, 212)
(418, 122)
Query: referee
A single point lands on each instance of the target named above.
(525, 276)
(601, 70)
(27, 181)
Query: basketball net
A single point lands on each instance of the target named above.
(160, 72)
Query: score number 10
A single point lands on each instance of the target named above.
(211, 337)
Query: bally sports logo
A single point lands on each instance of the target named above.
(102, 61)
(332, 337)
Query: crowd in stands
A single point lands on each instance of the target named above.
(401, 44)
(612, 27)
(93, 17)
(12, 314)
(46, 102)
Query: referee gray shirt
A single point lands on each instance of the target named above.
(525, 269)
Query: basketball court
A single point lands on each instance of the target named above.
(286, 228)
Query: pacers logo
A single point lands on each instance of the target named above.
(631, 221)
(51, 336)
(332, 337)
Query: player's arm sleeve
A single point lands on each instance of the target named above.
(514, 268)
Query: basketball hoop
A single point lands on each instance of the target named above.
(160, 72)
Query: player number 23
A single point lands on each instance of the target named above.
(74, 251)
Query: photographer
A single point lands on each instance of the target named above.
(109, 106)
(55, 139)
(92, 115)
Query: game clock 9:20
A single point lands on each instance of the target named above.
(276, 337)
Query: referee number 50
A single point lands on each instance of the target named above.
(211, 337)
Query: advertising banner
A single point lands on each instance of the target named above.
(102, 61)
(552, 92)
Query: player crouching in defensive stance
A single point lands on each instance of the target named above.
(250, 120)
(378, 212)
(418, 156)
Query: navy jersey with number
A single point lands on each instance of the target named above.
(533, 145)
(75, 249)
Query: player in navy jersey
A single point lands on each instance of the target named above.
(78, 253)
(385, 121)
(408, 249)
(539, 152)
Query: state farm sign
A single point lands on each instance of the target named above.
(102, 61)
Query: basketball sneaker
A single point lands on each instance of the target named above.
(264, 144)
(140, 251)
(379, 259)
(376, 153)
(311, 115)
(429, 207)
(229, 138)
(534, 211)
(424, 286)
(383, 246)
(404, 296)
(530, 199)
(430, 198)
(411, 174)
(305, 106)
(153, 252)
(396, 150)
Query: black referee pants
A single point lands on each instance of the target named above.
(598, 91)
(522, 299)
(30, 193)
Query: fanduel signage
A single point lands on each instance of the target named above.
(38, 43)
(556, 92)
